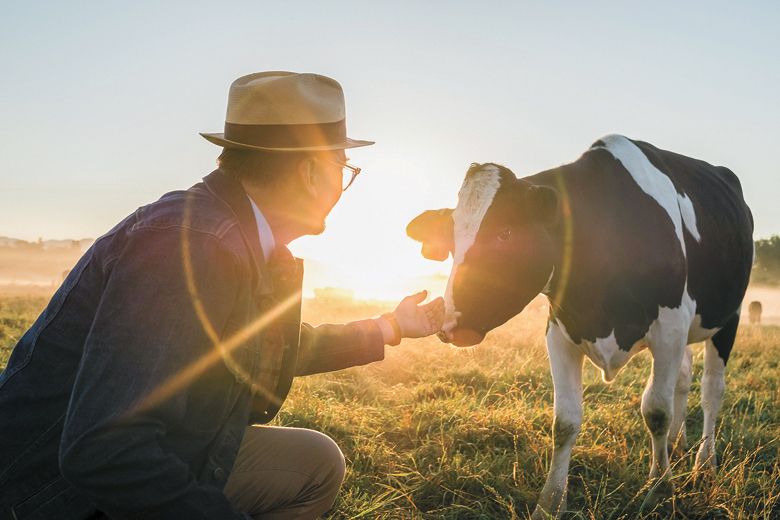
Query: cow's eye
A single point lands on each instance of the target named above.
(505, 234)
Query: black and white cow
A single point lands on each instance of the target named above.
(754, 312)
(635, 247)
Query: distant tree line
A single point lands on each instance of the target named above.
(767, 263)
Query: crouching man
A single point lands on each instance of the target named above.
(139, 391)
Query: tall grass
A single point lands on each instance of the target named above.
(438, 432)
(17, 313)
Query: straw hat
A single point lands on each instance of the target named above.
(285, 111)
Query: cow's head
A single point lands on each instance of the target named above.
(502, 248)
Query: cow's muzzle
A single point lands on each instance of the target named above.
(460, 337)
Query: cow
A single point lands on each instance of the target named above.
(754, 312)
(635, 248)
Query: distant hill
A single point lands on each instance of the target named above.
(42, 263)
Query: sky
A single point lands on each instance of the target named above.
(101, 104)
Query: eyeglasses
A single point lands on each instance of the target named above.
(348, 173)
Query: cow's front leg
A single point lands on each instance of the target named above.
(566, 366)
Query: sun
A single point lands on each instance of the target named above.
(364, 248)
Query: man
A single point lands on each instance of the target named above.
(134, 393)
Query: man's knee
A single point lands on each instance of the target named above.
(331, 466)
(286, 473)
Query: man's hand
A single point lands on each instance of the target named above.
(417, 321)
(412, 320)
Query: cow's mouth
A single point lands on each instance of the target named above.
(461, 337)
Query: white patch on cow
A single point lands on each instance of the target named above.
(604, 353)
(698, 333)
(688, 216)
(655, 183)
(673, 323)
(474, 198)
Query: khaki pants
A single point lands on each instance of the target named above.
(283, 473)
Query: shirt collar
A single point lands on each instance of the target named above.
(267, 242)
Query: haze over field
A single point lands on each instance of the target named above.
(40, 268)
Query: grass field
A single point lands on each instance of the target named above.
(436, 432)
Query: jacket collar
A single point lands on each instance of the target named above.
(232, 193)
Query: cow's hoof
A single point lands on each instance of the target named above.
(541, 514)
(545, 511)
(660, 494)
(706, 461)
(704, 473)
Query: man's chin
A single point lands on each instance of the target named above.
(318, 230)
(313, 227)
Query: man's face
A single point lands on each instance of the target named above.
(326, 179)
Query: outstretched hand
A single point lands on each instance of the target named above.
(417, 321)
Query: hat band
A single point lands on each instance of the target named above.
(287, 136)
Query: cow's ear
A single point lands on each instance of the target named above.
(434, 229)
(542, 204)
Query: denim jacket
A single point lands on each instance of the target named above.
(129, 395)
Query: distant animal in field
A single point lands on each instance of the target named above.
(635, 247)
(754, 312)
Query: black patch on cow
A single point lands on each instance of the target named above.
(657, 422)
(723, 340)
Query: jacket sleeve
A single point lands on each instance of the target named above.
(153, 321)
(333, 347)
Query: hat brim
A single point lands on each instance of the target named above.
(219, 140)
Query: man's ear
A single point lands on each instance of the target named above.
(434, 229)
(305, 172)
(541, 204)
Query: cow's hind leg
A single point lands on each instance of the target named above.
(667, 347)
(713, 383)
(677, 437)
(566, 366)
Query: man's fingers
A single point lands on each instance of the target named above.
(436, 302)
(418, 298)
